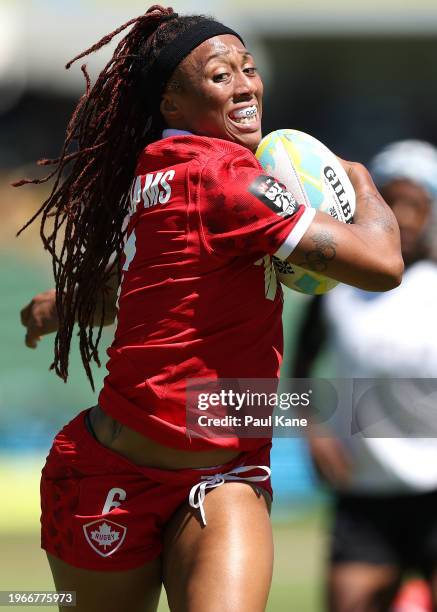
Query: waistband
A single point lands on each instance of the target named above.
(76, 440)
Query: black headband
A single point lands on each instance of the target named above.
(172, 55)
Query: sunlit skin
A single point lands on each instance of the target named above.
(219, 78)
(213, 568)
(216, 79)
(411, 205)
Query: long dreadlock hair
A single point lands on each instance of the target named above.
(111, 124)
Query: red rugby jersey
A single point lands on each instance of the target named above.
(198, 296)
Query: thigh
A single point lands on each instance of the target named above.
(362, 587)
(98, 524)
(366, 555)
(225, 566)
(135, 590)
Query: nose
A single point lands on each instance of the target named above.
(244, 86)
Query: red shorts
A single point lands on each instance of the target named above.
(100, 511)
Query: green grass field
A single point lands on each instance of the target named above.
(298, 545)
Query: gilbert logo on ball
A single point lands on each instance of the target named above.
(315, 177)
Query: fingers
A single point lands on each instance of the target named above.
(25, 313)
(39, 317)
(347, 165)
(359, 176)
(331, 460)
(32, 338)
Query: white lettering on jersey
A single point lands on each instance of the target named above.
(135, 195)
(156, 189)
(151, 189)
(168, 176)
(129, 250)
(110, 499)
(270, 280)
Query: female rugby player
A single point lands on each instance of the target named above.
(166, 135)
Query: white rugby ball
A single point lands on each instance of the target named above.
(316, 178)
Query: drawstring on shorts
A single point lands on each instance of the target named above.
(216, 480)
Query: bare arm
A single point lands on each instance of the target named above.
(40, 318)
(365, 254)
(310, 339)
(330, 457)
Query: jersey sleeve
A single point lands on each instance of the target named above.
(244, 211)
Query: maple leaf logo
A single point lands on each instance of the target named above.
(105, 536)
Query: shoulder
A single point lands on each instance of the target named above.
(230, 167)
(232, 154)
(211, 153)
(216, 152)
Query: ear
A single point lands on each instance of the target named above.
(169, 108)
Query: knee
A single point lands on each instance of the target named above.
(361, 592)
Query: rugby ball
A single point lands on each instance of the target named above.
(316, 178)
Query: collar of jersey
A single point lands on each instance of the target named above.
(172, 132)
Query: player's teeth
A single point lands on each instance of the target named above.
(249, 111)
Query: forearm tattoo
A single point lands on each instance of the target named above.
(325, 251)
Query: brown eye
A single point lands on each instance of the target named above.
(252, 70)
(217, 78)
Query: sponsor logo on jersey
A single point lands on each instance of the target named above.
(104, 537)
(150, 190)
(339, 193)
(274, 195)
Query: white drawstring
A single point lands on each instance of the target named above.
(216, 480)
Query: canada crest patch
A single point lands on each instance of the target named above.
(104, 536)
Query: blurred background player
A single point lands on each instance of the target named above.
(384, 487)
